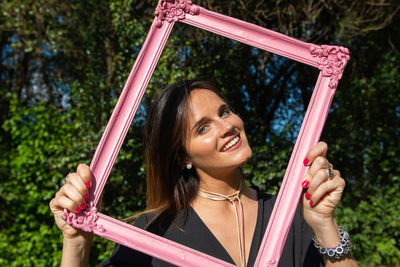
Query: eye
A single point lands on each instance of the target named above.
(203, 129)
(224, 112)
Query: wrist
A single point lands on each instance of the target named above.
(327, 233)
(77, 242)
(338, 252)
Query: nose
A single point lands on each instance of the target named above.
(226, 128)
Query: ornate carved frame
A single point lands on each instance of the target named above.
(330, 60)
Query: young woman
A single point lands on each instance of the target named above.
(196, 195)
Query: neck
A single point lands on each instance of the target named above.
(223, 183)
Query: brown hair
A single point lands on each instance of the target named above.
(170, 186)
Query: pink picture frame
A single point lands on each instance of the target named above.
(330, 60)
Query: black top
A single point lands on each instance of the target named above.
(188, 229)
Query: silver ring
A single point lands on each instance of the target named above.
(65, 179)
(330, 173)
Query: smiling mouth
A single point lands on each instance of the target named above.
(233, 142)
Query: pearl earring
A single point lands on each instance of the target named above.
(188, 166)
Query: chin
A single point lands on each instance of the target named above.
(245, 155)
(249, 156)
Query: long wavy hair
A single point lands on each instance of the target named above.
(170, 185)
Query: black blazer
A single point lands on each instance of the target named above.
(192, 232)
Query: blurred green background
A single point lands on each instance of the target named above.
(64, 64)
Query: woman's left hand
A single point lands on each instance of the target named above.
(323, 188)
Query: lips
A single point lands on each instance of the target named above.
(231, 143)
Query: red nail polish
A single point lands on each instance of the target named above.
(306, 161)
(88, 185)
(83, 206)
(305, 184)
(78, 210)
(307, 196)
(311, 202)
(86, 197)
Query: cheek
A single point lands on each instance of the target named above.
(201, 149)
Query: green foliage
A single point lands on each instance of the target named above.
(271, 159)
(64, 65)
(368, 124)
(43, 140)
(375, 226)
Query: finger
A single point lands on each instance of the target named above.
(62, 202)
(79, 184)
(319, 149)
(318, 163)
(326, 188)
(84, 172)
(319, 178)
(75, 196)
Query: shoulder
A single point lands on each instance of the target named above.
(144, 219)
(269, 200)
(153, 222)
(265, 198)
(298, 247)
(125, 256)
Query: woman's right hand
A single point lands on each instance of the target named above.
(73, 196)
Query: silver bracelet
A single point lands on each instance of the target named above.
(339, 252)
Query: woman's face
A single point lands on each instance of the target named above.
(216, 139)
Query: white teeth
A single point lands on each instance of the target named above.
(231, 143)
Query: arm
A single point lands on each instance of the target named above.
(75, 252)
(321, 196)
(73, 196)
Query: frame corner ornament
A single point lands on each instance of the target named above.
(174, 10)
(331, 62)
(86, 220)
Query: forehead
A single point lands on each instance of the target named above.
(201, 101)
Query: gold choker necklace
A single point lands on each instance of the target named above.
(240, 226)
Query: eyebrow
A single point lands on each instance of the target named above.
(204, 119)
(199, 122)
